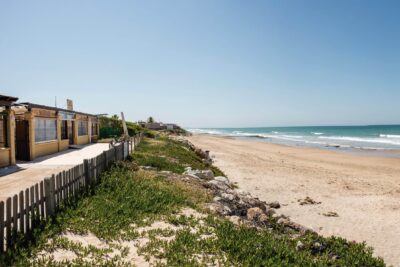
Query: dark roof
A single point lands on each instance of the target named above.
(31, 105)
(7, 100)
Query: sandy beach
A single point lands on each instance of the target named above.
(363, 191)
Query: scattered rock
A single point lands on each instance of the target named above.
(220, 208)
(331, 214)
(308, 201)
(254, 213)
(217, 199)
(334, 257)
(202, 174)
(235, 219)
(317, 247)
(276, 216)
(283, 221)
(226, 196)
(148, 168)
(274, 205)
(263, 218)
(222, 179)
(270, 211)
(299, 246)
(216, 185)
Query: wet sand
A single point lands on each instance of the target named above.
(364, 191)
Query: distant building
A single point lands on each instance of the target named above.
(158, 126)
(171, 126)
(155, 126)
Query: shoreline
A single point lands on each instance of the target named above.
(343, 194)
(369, 152)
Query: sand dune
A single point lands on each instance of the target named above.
(364, 191)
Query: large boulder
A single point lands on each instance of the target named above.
(216, 185)
(222, 179)
(202, 174)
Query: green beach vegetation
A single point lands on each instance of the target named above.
(155, 215)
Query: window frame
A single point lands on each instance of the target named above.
(4, 122)
(46, 121)
(80, 124)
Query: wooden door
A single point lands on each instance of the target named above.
(22, 140)
(71, 132)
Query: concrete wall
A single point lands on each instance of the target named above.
(63, 145)
(43, 149)
(83, 140)
(4, 157)
(95, 138)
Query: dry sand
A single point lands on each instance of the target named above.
(364, 191)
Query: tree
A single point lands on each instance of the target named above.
(150, 120)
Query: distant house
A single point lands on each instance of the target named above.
(155, 126)
(158, 126)
(171, 126)
(30, 130)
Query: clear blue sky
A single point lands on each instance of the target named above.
(208, 63)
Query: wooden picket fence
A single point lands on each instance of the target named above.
(25, 211)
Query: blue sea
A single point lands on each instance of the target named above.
(373, 137)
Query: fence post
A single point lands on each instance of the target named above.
(104, 160)
(49, 185)
(8, 222)
(131, 145)
(123, 150)
(86, 165)
(15, 213)
(1, 226)
(21, 211)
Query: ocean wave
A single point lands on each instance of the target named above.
(395, 136)
(362, 140)
(311, 138)
(245, 134)
(206, 131)
(292, 136)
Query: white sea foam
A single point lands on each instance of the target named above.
(363, 140)
(396, 136)
(207, 131)
(238, 133)
(382, 141)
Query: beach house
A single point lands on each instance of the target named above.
(33, 130)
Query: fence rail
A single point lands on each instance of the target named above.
(23, 212)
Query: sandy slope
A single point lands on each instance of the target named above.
(364, 191)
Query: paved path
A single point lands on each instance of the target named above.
(27, 174)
